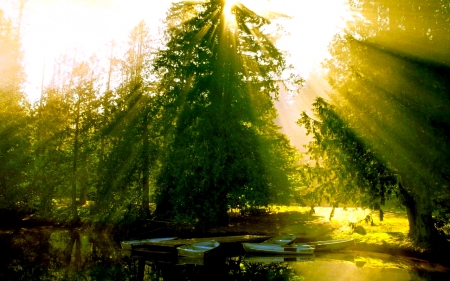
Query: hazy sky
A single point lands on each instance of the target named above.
(52, 27)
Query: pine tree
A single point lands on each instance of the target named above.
(219, 76)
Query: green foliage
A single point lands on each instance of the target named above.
(66, 128)
(14, 126)
(194, 119)
(51, 164)
(390, 74)
(218, 81)
(345, 170)
(14, 163)
(128, 162)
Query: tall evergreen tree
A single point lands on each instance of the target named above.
(219, 73)
(51, 157)
(128, 164)
(67, 120)
(81, 95)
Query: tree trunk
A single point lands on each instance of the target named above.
(74, 165)
(419, 211)
(105, 104)
(145, 169)
(408, 201)
(332, 212)
(83, 189)
(425, 231)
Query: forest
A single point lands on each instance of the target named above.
(184, 130)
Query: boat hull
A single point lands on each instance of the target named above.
(275, 249)
(330, 245)
(198, 250)
(281, 240)
(128, 245)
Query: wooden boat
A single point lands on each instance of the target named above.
(330, 245)
(198, 250)
(264, 248)
(281, 240)
(128, 245)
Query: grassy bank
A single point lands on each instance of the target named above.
(387, 236)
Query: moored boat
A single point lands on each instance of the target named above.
(199, 249)
(330, 245)
(128, 245)
(264, 248)
(281, 240)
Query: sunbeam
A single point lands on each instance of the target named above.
(51, 28)
(228, 7)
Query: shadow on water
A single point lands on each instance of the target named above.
(58, 254)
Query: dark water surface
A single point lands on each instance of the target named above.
(56, 254)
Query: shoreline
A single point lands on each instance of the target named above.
(387, 237)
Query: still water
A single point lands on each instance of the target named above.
(56, 254)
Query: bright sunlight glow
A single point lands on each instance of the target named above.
(228, 15)
(229, 4)
(50, 28)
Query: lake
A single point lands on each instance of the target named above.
(58, 254)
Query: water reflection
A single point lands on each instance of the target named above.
(225, 268)
(48, 254)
